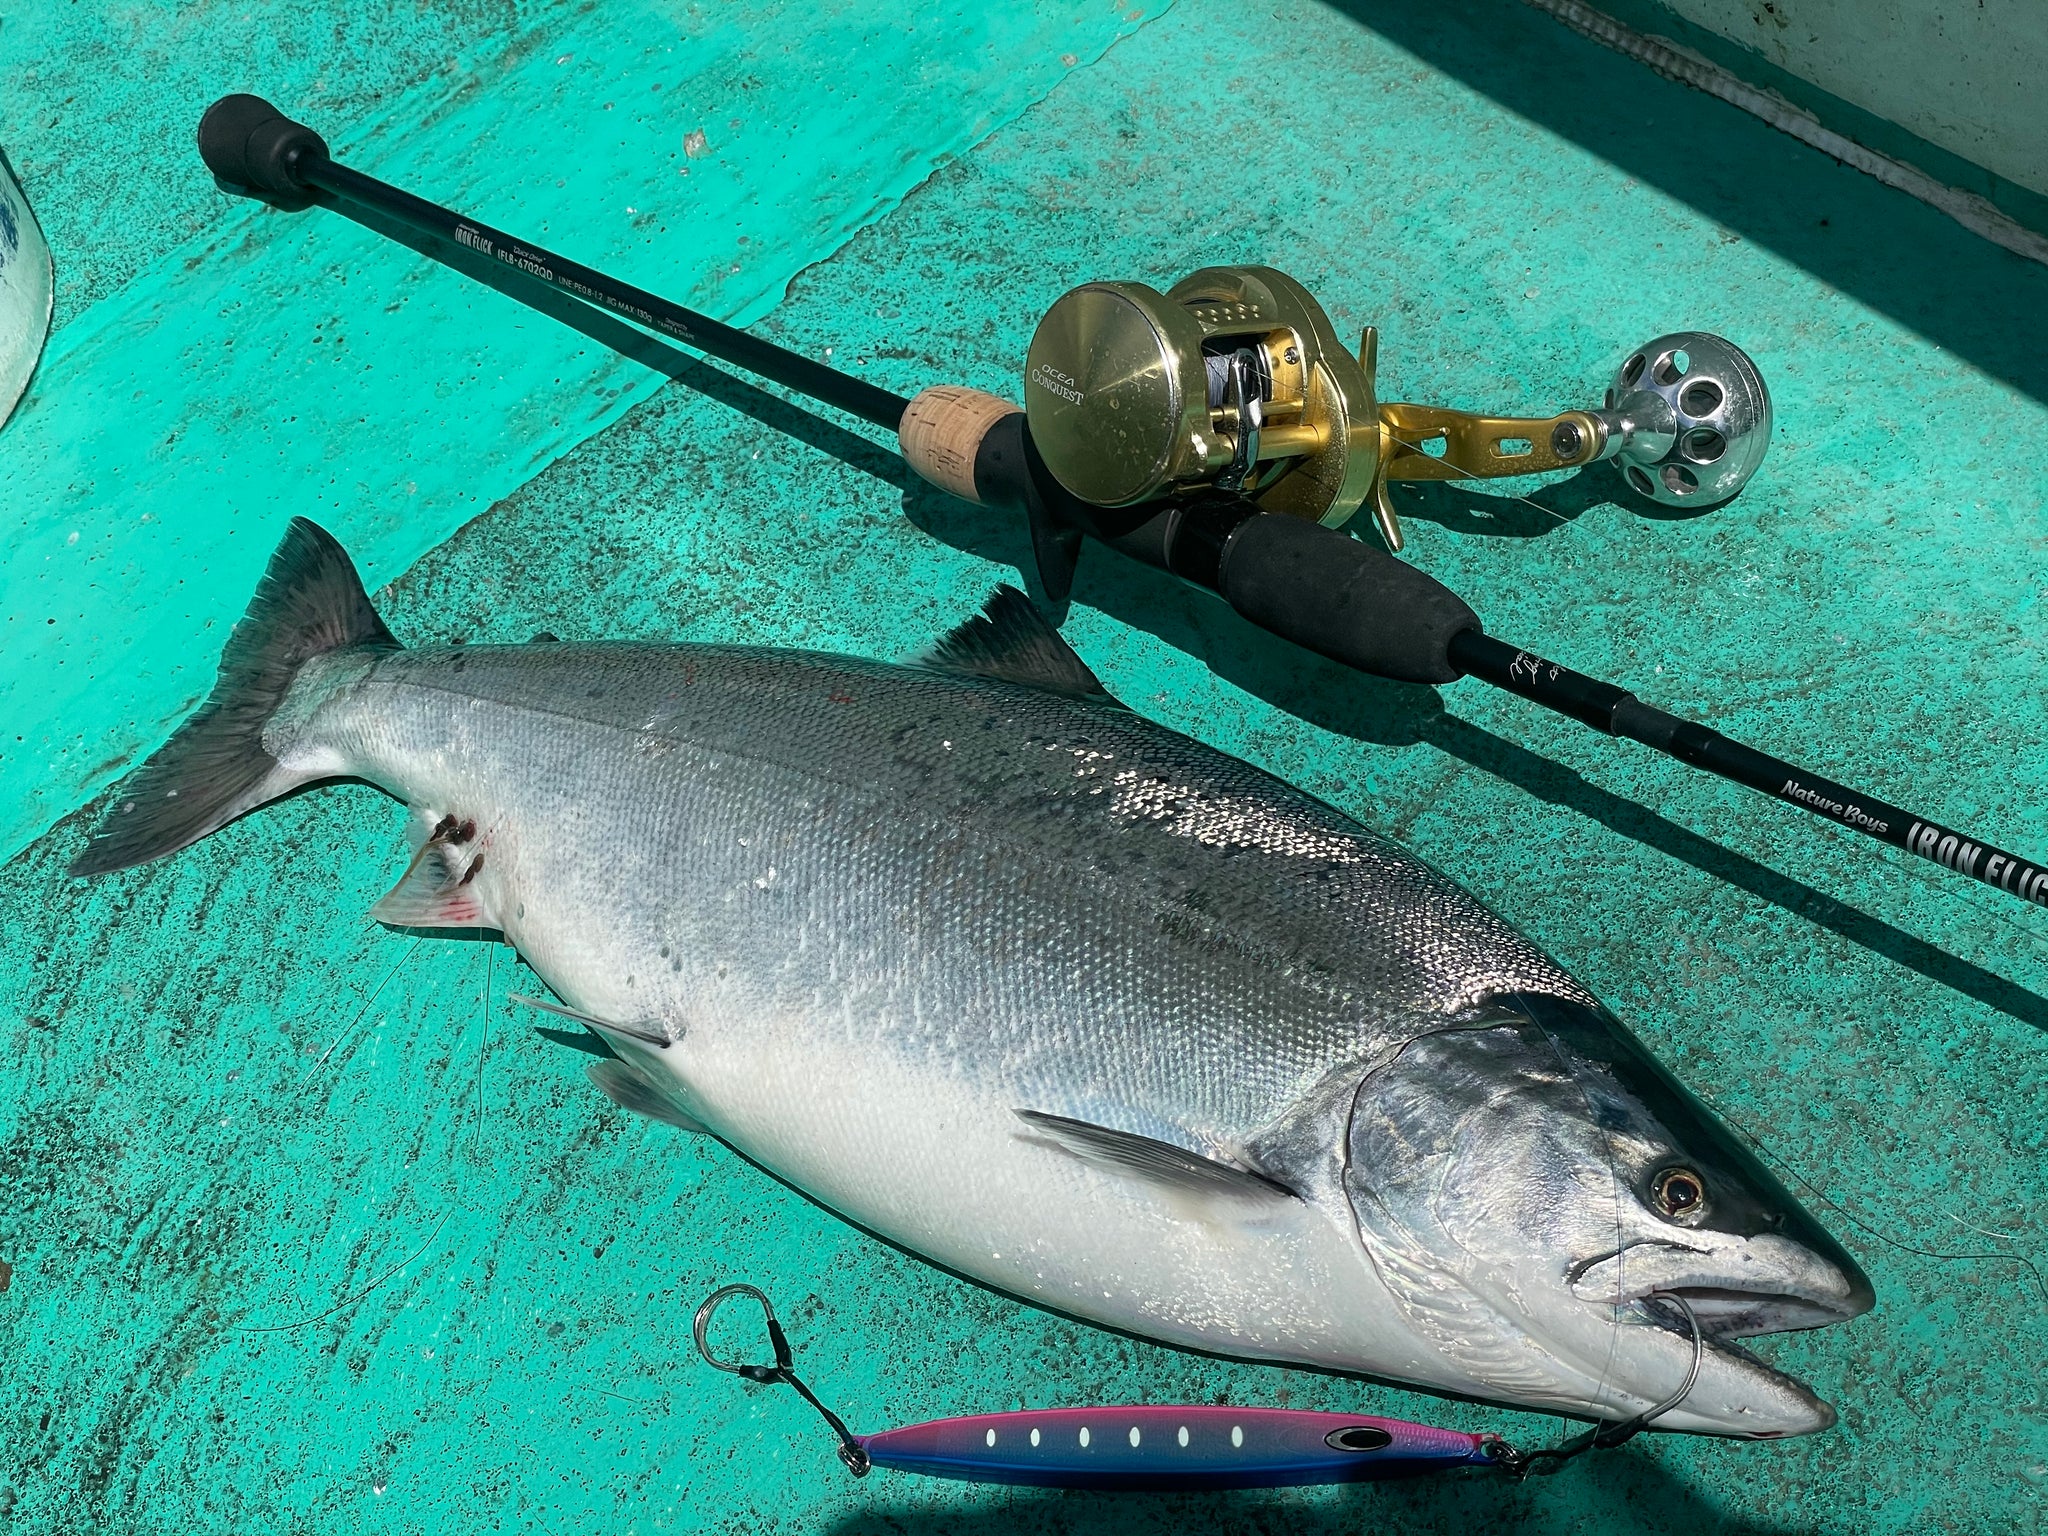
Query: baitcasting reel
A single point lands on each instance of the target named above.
(1235, 378)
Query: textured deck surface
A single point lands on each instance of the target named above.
(235, 1103)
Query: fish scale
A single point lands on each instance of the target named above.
(912, 876)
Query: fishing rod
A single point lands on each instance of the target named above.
(1221, 432)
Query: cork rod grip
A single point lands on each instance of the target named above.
(942, 431)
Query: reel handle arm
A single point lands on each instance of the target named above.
(1475, 447)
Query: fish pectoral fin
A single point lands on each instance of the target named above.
(630, 1091)
(1160, 1162)
(1012, 641)
(647, 1034)
(438, 888)
(585, 1039)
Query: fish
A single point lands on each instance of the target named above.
(1054, 996)
(28, 290)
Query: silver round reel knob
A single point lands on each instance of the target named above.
(1689, 419)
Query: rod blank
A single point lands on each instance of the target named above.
(1617, 712)
(249, 145)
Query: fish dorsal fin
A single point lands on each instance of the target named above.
(1160, 1162)
(1012, 641)
(630, 1091)
(438, 888)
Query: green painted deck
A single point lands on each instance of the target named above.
(236, 1103)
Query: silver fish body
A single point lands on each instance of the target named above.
(1088, 1011)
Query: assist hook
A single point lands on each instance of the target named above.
(783, 1370)
(1604, 1437)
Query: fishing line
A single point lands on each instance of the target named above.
(341, 1306)
(1621, 1244)
(1862, 1226)
(483, 1045)
(1925, 878)
(1603, 1437)
(455, 1199)
(1479, 479)
(2001, 1236)
(350, 1028)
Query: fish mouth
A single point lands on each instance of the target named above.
(1735, 1288)
(1740, 1290)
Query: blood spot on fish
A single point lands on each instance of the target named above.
(840, 698)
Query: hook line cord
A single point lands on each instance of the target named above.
(1864, 1227)
(350, 1028)
(1480, 479)
(455, 1200)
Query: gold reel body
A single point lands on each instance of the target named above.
(1234, 376)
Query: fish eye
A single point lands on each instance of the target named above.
(1679, 1193)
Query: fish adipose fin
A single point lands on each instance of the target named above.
(1158, 1161)
(214, 768)
(629, 1090)
(1012, 641)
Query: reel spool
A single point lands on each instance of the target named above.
(1234, 378)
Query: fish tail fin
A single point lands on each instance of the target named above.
(215, 767)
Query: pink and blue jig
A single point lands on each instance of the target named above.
(1160, 1449)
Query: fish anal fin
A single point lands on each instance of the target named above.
(1158, 1162)
(439, 888)
(1012, 641)
(630, 1091)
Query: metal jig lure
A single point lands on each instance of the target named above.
(1170, 1448)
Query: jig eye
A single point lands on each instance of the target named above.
(1680, 1193)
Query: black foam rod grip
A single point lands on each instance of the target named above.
(1343, 599)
